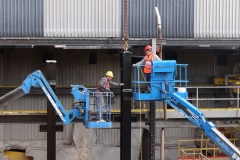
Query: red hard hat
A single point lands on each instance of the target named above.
(147, 48)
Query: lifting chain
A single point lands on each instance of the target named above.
(125, 47)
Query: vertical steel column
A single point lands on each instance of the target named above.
(126, 94)
(162, 144)
(152, 128)
(51, 115)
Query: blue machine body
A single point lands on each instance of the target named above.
(162, 81)
(169, 84)
(85, 106)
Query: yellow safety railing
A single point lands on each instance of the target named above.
(191, 153)
(205, 150)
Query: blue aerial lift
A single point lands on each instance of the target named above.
(87, 106)
(162, 88)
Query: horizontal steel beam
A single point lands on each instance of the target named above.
(223, 113)
(114, 43)
(63, 90)
(42, 118)
(200, 42)
(71, 43)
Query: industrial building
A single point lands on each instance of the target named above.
(87, 38)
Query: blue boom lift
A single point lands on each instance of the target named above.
(162, 88)
(87, 106)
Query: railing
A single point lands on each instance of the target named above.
(206, 150)
(181, 75)
(194, 154)
(100, 103)
(225, 91)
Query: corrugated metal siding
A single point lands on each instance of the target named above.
(31, 132)
(105, 137)
(203, 65)
(18, 63)
(21, 18)
(176, 15)
(200, 65)
(1, 69)
(217, 19)
(175, 132)
(38, 102)
(26, 132)
(74, 67)
(84, 18)
(111, 137)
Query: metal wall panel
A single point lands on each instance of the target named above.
(203, 64)
(21, 18)
(37, 102)
(200, 65)
(177, 18)
(1, 69)
(18, 63)
(111, 137)
(217, 19)
(82, 18)
(175, 132)
(28, 133)
(74, 67)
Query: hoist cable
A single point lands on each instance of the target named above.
(145, 80)
(140, 106)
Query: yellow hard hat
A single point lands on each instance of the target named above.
(109, 73)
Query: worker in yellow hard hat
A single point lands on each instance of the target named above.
(104, 85)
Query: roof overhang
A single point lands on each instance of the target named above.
(116, 43)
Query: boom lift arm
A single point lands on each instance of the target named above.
(80, 93)
(162, 85)
(197, 118)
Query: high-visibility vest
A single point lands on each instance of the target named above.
(148, 63)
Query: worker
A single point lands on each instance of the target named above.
(147, 62)
(104, 85)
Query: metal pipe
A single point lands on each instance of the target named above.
(159, 28)
(11, 96)
(158, 21)
(162, 144)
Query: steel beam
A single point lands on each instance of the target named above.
(114, 43)
(152, 127)
(199, 42)
(51, 120)
(71, 43)
(126, 94)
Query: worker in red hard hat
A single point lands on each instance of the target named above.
(147, 62)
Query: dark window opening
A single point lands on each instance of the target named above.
(92, 58)
(47, 56)
(171, 56)
(222, 59)
(136, 59)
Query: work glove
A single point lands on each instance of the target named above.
(120, 84)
